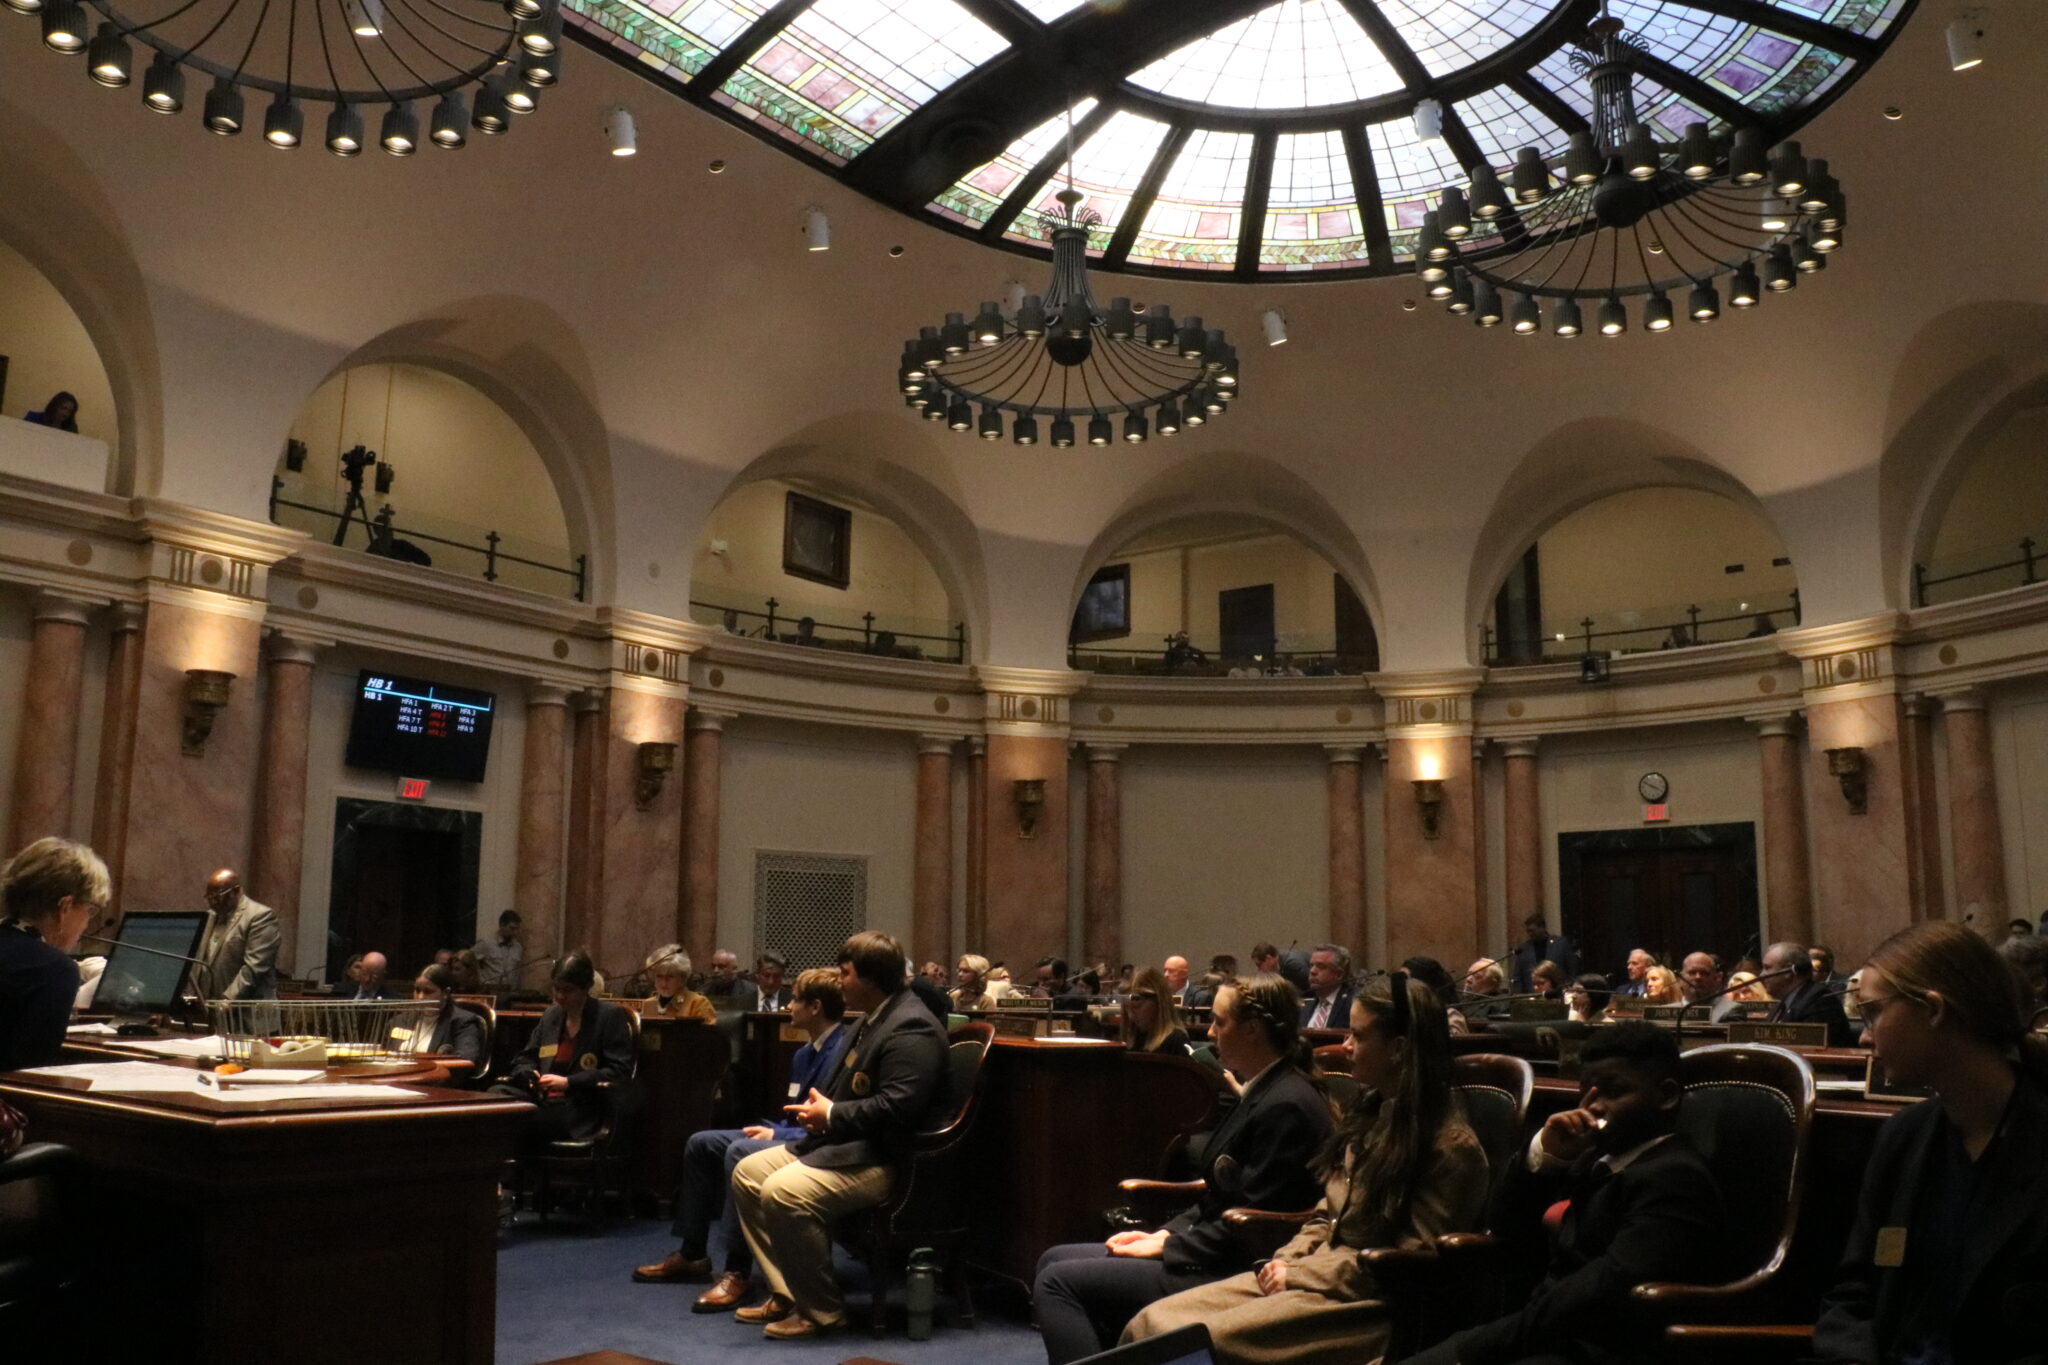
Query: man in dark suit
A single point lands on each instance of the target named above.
(1541, 946)
(241, 950)
(889, 1084)
(1291, 964)
(1640, 1205)
(1788, 976)
(769, 995)
(1329, 988)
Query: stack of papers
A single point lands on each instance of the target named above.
(212, 1045)
(90, 1028)
(152, 1078)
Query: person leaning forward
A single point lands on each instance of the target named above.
(888, 1084)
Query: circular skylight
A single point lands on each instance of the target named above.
(1249, 138)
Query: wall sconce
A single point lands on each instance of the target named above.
(1429, 799)
(1027, 794)
(1846, 767)
(206, 692)
(656, 761)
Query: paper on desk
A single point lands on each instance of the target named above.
(270, 1075)
(1833, 1086)
(212, 1045)
(129, 1076)
(364, 1093)
(90, 1028)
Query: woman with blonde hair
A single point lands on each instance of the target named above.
(1950, 1245)
(999, 982)
(1660, 987)
(1402, 1169)
(1746, 989)
(1151, 1018)
(970, 990)
(668, 968)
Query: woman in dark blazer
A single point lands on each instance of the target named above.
(579, 1043)
(1948, 1260)
(455, 1031)
(1259, 1156)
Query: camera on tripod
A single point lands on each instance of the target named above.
(358, 458)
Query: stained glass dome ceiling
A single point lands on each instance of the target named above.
(1246, 138)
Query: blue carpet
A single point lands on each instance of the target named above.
(563, 1291)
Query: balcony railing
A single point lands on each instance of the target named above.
(1646, 630)
(1292, 654)
(1976, 572)
(825, 626)
(459, 547)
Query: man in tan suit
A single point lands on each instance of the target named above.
(241, 952)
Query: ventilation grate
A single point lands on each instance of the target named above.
(807, 904)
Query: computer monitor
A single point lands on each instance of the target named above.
(138, 982)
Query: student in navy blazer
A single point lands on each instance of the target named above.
(709, 1157)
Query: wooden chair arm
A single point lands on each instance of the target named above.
(1754, 1345)
(1190, 1189)
(1263, 1232)
(1689, 1295)
(1467, 1243)
(1796, 1332)
(1153, 1202)
(1247, 1218)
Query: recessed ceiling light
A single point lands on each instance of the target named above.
(895, 251)
(1407, 305)
(717, 167)
(1894, 113)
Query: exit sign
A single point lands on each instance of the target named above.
(1657, 814)
(412, 788)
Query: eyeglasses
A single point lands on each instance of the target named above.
(1873, 1006)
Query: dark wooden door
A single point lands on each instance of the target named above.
(1671, 901)
(407, 895)
(1244, 619)
(1358, 644)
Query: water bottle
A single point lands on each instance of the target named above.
(921, 1292)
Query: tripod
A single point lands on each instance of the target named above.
(353, 462)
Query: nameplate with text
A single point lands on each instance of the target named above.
(1629, 1005)
(1024, 1002)
(1878, 1085)
(1780, 1035)
(1673, 1014)
(1020, 1025)
(1537, 1011)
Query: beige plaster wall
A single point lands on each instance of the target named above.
(2004, 495)
(1174, 587)
(47, 350)
(2019, 755)
(1656, 547)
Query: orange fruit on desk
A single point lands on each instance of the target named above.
(229, 1069)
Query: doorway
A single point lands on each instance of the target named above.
(1670, 891)
(1244, 620)
(403, 883)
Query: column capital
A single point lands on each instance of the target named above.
(707, 718)
(1525, 747)
(540, 693)
(1345, 753)
(589, 701)
(1961, 699)
(55, 606)
(1104, 753)
(292, 649)
(1769, 726)
(977, 746)
(936, 744)
(126, 617)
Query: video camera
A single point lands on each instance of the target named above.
(354, 461)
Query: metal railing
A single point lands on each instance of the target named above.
(2030, 563)
(1626, 633)
(1293, 655)
(383, 536)
(880, 634)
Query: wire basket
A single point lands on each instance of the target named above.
(353, 1030)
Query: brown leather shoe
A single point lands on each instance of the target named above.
(674, 1268)
(797, 1327)
(772, 1309)
(731, 1290)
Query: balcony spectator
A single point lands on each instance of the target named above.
(60, 412)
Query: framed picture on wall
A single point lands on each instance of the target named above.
(1105, 609)
(817, 540)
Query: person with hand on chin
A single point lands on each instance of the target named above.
(1622, 1199)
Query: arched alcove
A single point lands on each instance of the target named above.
(454, 478)
(1221, 594)
(48, 349)
(1992, 529)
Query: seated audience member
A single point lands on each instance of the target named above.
(1291, 963)
(1222, 970)
(999, 983)
(50, 892)
(2013, 928)
(970, 984)
(1588, 996)
(1660, 987)
(1402, 1169)
(937, 999)
(1745, 989)
(1541, 946)
(1639, 1205)
(1705, 983)
(1049, 979)
(1823, 959)
(934, 973)
(1949, 1251)
(1329, 988)
(2028, 957)
(1788, 976)
(500, 957)
(60, 412)
(579, 1042)
(1547, 979)
(769, 995)
(1151, 1019)
(1485, 984)
(888, 1086)
(1639, 964)
(1434, 975)
(1176, 969)
(368, 973)
(724, 982)
(455, 1031)
(1258, 1157)
(710, 1157)
(668, 971)
(469, 976)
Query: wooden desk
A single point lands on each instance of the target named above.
(681, 1064)
(231, 1236)
(767, 1043)
(1063, 1122)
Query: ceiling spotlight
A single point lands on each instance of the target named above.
(109, 60)
(451, 120)
(1893, 113)
(64, 26)
(224, 107)
(400, 133)
(345, 139)
(620, 132)
(284, 123)
(1966, 40)
(717, 167)
(543, 33)
(1429, 121)
(1276, 327)
(365, 17)
(163, 85)
(817, 230)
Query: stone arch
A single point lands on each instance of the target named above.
(56, 216)
(1574, 466)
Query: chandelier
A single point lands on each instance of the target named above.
(1061, 356)
(1626, 217)
(352, 55)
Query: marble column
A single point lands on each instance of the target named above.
(1434, 901)
(46, 752)
(117, 740)
(697, 929)
(1976, 842)
(537, 870)
(1102, 875)
(277, 845)
(931, 890)
(1346, 825)
(585, 858)
(1788, 880)
(1522, 831)
(977, 844)
(1923, 807)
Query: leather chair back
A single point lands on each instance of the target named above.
(1748, 1109)
(1495, 1090)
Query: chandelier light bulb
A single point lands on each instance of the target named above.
(1527, 320)
(1063, 432)
(1565, 320)
(1134, 428)
(1613, 317)
(1275, 325)
(1461, 295)
(959, 416)
(991, 424)
(284, 123)
(365, 17)
(1024, 431)
(542, 34)
(451, 121)
(1779, 275)
(1639, 153)
(1966, 41)
(345, 131)
(1167, 420)
(524, 9)
(519, 97)
(1775, 216)
(108, 59)
(1747, 164)
(64, 27)
(988, 324)
(1530, 179)
(1454, 214)
(818, 231)
(1488, 199)
(400, 133)
(953, 336)
(1826, 238)
(1485, 304)
(1098, 430)
(223, 107)
(1582, 160)
(538, 70)
(492, 115)
(1429, 121)
(1657, 313)
(1159, 328)
(1788, 170)
(934, 412)
(1744, 288)
(24, 6)
(1704, 303)
(1696, 153)
(163, 85)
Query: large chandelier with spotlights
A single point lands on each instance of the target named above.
(1096, 374)
(381, 57)
(1626, 224)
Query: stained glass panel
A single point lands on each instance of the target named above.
(1293, 55)
(976, 196)
(677, 38)
(1107, 169)
(1194, 220)
(1450, 35)
(1312, 217)
(1503, 123)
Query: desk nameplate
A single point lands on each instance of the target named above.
(1801, 1036)
(1878, 1085)
(1024, 1002)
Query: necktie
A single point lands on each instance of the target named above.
(1321, 1019)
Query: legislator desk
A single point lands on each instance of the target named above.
(309, 1231)
(1062, 1121)
(768, 1042)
